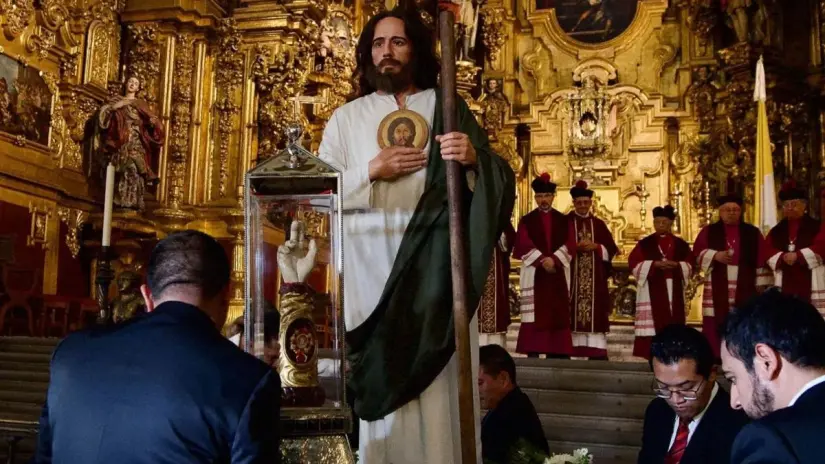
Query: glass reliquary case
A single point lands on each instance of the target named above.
(294, 296)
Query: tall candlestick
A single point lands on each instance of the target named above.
(108, 205)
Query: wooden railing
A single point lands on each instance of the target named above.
(13, 431)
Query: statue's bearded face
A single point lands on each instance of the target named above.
(392, 53)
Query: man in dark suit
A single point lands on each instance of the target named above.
(166, 387)
(511, 419)
(690, 421)
(773, 352)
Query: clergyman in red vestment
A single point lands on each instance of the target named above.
(797, 268)
(733, 256)
(590, 248)
(544, 307)
(494, 307)
(661, 263)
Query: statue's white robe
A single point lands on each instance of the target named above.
(376, 214)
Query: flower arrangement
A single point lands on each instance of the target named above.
(580, 456)
(525, 453)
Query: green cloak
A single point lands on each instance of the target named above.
(409, 338)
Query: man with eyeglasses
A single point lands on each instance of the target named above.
(796, 265)
(690, 420)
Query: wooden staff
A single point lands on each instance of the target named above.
(458, 251)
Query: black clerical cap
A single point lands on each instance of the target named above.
(543, 184)
(790, 191)
(581, 190)
(664, 211)
(729, 198)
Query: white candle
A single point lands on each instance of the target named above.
(108, 204)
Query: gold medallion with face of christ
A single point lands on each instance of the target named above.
(403, 128)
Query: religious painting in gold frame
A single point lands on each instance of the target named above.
(25, 101)
(592, 21)
(403, 128)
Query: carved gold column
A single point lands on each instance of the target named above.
(229, 74)
(234, 218)
(173, 216)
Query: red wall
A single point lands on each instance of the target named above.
(16, 221)
(73, 273)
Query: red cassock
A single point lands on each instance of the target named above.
(660, 297)
(730, 285)
(494, 307)
(589, 296)
(794, 236)
(544, 306)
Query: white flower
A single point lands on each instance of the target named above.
(580, 456)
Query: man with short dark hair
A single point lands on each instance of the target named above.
(773, 353)
(398, 297)
(732, 255)
(511, 418)
(690, 420)
(661, 263)
(166, 387)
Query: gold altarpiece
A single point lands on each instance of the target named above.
(670, 86)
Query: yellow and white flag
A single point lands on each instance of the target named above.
(765, 189)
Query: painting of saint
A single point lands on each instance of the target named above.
(592, 21)
(402, 132)
(25, 101)
(403, 128)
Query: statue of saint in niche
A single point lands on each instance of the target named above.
(130, 136)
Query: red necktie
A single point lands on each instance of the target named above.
(679, 444)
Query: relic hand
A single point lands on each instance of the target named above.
(456, 146)
(396, 161)
(294, 265)
(790, 258)
(722, 257)
(304, 265)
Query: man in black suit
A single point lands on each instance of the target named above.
(773, 352)
(690, 421)
(166, 387)
(511, 420)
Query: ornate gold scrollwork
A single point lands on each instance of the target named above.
(40, 43)
(228, 79)
(144, 59)
(181, 117)
(17, 15)
(701, 95)
(57, 141)
(702, 18)
(337, 49)
(77, 109)
(492, 32)
(279, 77)
(68, 66)
(74, 220)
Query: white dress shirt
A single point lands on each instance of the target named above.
(807, 387)
(695, 421)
